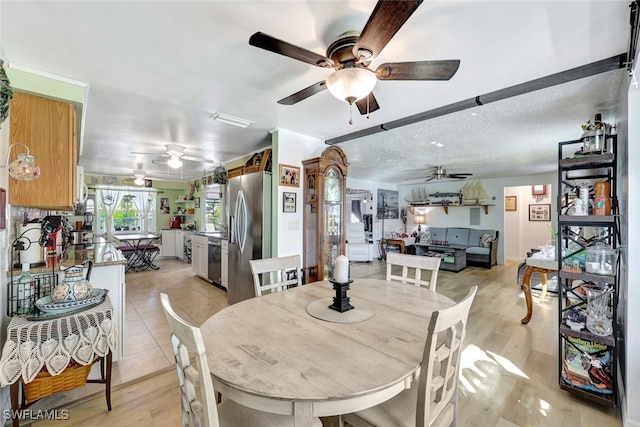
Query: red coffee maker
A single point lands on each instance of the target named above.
(174, 222)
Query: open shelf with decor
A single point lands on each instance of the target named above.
(420, 199)
(588, 271)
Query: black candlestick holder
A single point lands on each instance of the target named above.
(341, 300)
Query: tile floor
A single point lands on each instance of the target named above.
(146, 335)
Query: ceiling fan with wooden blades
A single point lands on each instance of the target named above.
(176, 155)
(352, 52)
(439, 172)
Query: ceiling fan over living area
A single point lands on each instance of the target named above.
(351, 54)
(439, 172)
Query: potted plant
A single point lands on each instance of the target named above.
(6, 93)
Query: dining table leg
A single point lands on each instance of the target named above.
(302, 414)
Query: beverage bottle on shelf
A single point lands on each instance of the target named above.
(602, 201)
(26, 289)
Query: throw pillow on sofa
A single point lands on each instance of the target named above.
(485, 240)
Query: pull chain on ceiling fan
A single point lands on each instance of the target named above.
(352, 52)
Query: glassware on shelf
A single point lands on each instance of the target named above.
(598, 322)
(600, 260)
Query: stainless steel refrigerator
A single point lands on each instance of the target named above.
(249, 204)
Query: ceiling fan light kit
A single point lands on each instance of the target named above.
(174, 162)
(351, 84)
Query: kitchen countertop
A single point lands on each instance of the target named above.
(214, 234)
(101, 253)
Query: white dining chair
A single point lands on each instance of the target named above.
(419, 264)
(198, 397)
(433, 401)
(275, 274)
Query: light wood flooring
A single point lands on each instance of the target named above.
(509, 375)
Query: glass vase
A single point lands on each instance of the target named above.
(598, 322)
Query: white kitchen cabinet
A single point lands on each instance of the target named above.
(179, 244)
(199, 253)
(224, 272)
(168, 247)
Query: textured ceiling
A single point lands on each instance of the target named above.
(157, 70)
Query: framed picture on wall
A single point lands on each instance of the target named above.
(539, 190)
(388, 205)
(164, 205)
(510, 203)
(289, 176)
(288, 202)
(539, 212)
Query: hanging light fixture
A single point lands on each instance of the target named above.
(351, 84)
(174, 162)
(23, 168)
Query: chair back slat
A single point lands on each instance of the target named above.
(440, 366)
(196, 387)
(418, 264)
(272, 274)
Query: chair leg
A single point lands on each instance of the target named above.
(455, 408)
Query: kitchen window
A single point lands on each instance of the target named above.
(121, 211)
(214, 217)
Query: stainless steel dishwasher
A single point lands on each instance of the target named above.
(215, 260)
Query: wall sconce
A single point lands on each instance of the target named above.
(23, 168)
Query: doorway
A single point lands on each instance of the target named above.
(529, 218)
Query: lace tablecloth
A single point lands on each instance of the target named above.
(32, 345)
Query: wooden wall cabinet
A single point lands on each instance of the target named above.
(48, 128)
(257, 163)
(324, 212)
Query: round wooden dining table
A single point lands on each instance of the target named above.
(270, 354)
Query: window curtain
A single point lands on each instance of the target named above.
(149, 205)
(139, 202)
(109, 200)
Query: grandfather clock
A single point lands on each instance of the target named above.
(324, 209)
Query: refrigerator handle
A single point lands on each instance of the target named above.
(232, 230)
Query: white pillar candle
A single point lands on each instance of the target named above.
(342, 269)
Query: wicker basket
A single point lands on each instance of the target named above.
(44, 384)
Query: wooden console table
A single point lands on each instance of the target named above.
(384, 243)
(536, 263)
(457, 252)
